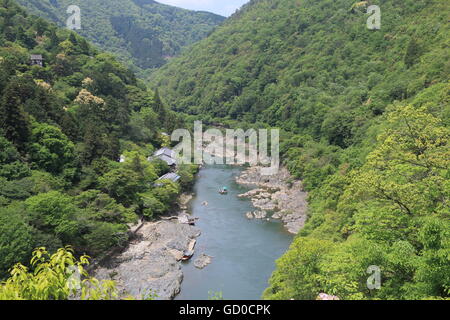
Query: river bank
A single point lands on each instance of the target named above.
(151, 264)
(242, 252)
(277, 197)
(235, 254)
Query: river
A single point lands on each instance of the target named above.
(244, 251)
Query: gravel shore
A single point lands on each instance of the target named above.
(151, 264)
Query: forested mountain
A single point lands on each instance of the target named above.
(143, 32)
(67, 113)
(365, 116)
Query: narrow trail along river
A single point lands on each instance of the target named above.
(243, 251)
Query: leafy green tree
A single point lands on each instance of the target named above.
(413, 53)
(409, 168)
(59, 276)
(50, 149)
(103, 208)
(187, 174)
(54, 213)
(16, 239)
(296, 275)
(122, 185)
(151, 206)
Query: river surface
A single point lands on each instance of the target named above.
(244, 251)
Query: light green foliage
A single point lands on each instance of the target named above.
(409, 168)
(392, 212)
(101, 207)
(296, 275)
(122, 185)
(53, 277)
(50, 149)
(152, 207)
(187, 174)
(55, 213)
(140, 165)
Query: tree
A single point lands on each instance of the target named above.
(16, 239)
(101, 207)
(413, 53)
(187, 174)
(159, 107)
(54, 213)
(13, 119)
(11, 166)
(59, 276)
(295, 277)
(151, 206)
(122, 185)
(409, 168)
(50, 149)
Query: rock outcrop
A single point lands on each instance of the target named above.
(151, 265)
(277, 194)
(202, 261)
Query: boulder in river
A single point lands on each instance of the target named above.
(260, 214)
(202, 261)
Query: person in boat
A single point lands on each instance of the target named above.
(224, 190)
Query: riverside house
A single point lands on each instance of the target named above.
(167, 155)
(37, 60)
(169, 176)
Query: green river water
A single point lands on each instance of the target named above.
(244, 251)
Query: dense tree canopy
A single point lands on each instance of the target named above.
(364, 117)
(142, 33)
(63, 127)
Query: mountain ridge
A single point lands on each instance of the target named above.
(144, 34)
(364, 119)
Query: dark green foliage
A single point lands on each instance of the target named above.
(13, 119)
(311, 68)
(412, 53)
(60, 179)
(16, 239)
(144, 34)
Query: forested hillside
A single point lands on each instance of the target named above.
(143, 33)
(365, 116)
(63, 127)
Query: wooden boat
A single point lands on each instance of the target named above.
(223, 191)
(187, 255)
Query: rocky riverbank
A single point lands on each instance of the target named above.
(277, 196)
(151, 264)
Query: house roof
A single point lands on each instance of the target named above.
(165, 154)
(36, 57)
(165, 151)
(170, 176)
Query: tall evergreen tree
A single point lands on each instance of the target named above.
(412, 53)
(13, 120)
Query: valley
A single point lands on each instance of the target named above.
(357, 207)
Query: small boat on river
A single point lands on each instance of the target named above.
(187, 255)
(224, 190)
